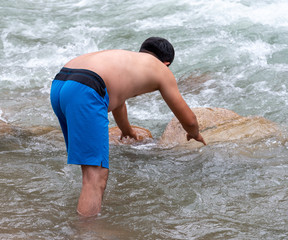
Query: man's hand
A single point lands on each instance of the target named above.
(198, 138)
(131, 134)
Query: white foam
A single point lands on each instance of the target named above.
(258, 51)
(149, 109)
(1, 117)
(223, 12)
(173, 20)
(210, 36)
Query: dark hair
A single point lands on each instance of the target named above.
(160, 47)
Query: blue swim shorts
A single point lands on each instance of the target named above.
(80, 100)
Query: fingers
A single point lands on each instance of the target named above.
(122, 136)
(131, 135)
(199, 138)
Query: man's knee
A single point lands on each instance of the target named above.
(95, 175)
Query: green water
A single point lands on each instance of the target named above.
(238, 49)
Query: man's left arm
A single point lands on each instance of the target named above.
(173, 98)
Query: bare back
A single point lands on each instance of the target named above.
(125, 73)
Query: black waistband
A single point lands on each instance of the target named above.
(86, 77)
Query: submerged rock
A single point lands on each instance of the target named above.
(13, 137)
(6, 129)
(219, 125)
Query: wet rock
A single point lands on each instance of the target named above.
(4, 127)
(216, 125)
(219, 125)
(194, 83)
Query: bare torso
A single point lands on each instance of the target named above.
(125, 73)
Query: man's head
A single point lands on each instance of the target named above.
(160, 48)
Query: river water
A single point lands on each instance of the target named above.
(223, 191)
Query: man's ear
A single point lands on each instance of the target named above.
(167, 63)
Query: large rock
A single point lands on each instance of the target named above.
(216, 125)
(219, 125)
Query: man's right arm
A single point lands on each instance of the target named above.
(121, 119)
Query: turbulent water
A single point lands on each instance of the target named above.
(236, 49)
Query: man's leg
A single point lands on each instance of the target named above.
(93, 186)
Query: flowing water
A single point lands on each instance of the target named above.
(237, 48)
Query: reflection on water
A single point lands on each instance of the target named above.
(223, 191)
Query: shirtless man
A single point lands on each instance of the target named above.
(90, 86)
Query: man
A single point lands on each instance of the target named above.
(90, 86)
